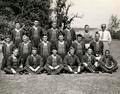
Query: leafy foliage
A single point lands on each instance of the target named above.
(24, 11)
(62, 10)
(114, 27)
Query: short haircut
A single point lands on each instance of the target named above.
(45, 35)
(103, 24)
(86, 26)
(8, 36)
(72, 48)
(97, 33)
(79, 35)
(34, 48)
(61, 34)
(107, 51)
(15, 48)
(89, 48)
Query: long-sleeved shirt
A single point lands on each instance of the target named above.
(89, 59)
(54, 60)
(105, 36)
(109, 61)
(34, 61)
(71, 60)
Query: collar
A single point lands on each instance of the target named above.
(9, 43)
(17, 30)
(61, 42)
(34, 56)
(54, 56)
(44, 42)
(35, 27)
(26, 43)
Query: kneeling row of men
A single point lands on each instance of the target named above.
(55, 65)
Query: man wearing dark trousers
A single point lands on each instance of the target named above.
(54, 63)
(72, 63)
(34, 63)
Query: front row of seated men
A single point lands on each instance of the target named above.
(76, 59)
(55, 65)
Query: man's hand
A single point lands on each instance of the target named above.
(75, 72)
(21, 66)
(52, 68)
(85, 64)
(96, 64)
(14, 72)
(56, 67)
(32, 68)
(70, 69)
(37, 68)
(79, 69)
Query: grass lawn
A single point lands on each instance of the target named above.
(65, 83)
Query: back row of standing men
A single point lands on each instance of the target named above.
(55, 50)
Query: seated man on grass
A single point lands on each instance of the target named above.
(89, 61)
(72, 62)
(34, 64)
(13, 64)
(54, 63)
(107, 63)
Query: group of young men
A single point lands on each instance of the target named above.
(56, 51)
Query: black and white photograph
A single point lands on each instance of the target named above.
(59, 46)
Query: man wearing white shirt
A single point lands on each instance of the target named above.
(105, 37)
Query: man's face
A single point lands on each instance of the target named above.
(54, 52)
(79, 39)
(45, 38)
(68, 26)
(72, 51)
(87, 28)
(97, 37)
(7, 39)
(107, 53)
(54, 25)
(25, 38)
(89, 51)
(103, 27)
(34, 51)
(36, 23)
(61, 37)
(17, 26)
(15, 52)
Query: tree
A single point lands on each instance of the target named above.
(62, 10)
(114, 26)
(25, 11)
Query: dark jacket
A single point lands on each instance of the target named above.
(73, 35)
(40, 48)
(12, 64)
(14, 34)
(85, 59)
(4, 49)
(71, 60)
(40, 33)
(110, 62)
(50, 60)
(50, 34)
(74, 44)
(66, 46)
(93, 46)
(21, 48)
(38, 62)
